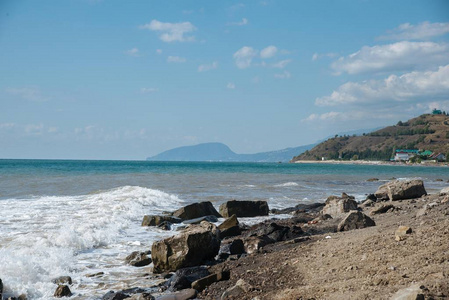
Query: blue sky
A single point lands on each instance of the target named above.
(86, 79)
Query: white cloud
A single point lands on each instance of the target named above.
(7, 125)
(281, 64)
(316, 56)
(400, 56)
(148, 90)
(283, 75)
(171, 32)
(348, 116)
(159, 51)
(420, 31)
(176, 59)
(231, 86)
(132, 52)
(268, 52)
(244, 56)
(28, 93)
(243, 22)
(207, 67)
(409, 88)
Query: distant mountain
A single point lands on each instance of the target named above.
(221, 152)
(426, 132)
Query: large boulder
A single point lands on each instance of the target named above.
(151, 220)
(401, 189)
(355, 220)
(339, 206)
(230, 227)
(193, 246)
(196, 210)
(244, 208)
(62, 291)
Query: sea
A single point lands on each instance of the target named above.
(77, 218)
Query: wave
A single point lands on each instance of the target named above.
(286, 184)
(44, 237)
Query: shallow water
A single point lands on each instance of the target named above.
(82, 217)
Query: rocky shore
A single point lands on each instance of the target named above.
(393, 245)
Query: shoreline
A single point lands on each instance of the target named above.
(371, 163)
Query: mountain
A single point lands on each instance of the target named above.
(426, 132)
(221, 152)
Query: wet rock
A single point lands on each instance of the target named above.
(272, 232)
(401, 189)
(413, 292)
(138, 259)
(1, 288)
(204, 282)
(355, 220)
(183, 278)
(230, 227)
(150, 220)
(165, 225)
(371, 197)
(338, 206)
(244, 208)
(111, 295)
(239, 288)
(62, 280)
(181, 295)
(142, 296)
(193, 246)
(210, 219)
(367, 203)
(20, 297)
(402, 232)
(196, 210)
(132, 293)
(95, 274)
(236, 247)
(62, 291)
(372, 179)
(382, 209)
(313, 207)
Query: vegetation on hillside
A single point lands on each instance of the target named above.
(426, 132)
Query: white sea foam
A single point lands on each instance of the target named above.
(287, 184)
(46, 237)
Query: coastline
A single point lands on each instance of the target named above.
(371, 163)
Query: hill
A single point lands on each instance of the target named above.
(426, 132)
(221, 152)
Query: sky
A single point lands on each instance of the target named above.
(105, 79)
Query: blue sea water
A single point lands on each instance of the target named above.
(68, 217)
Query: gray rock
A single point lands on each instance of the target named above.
(1, 288)
(204, 282)
(244, 208)
(338, 206)
(183, 278)
(62, 291)
(230, 227)
(196, 210)
(355, 220)
(62, 280)
(138, 259)
(236, 247)
(193, 246)
(413, 292)
(165, 225)
(444, 191)
(132, 293)
(401, 189)
(211, 219)
(382, 209)
(234, 292)
(181, 295)
(151, 220)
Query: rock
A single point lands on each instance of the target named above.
(210, 219)
(382, 192)
(142, 296)
(150, 220)
(254, 243)
(234, 292)
(355, 220)
(111, 295)
(338, 206)
(382, 209)
(236, 247)
(196, 210)
(133, 293)
(401, 232)
(313, 207)
(272, 232)
(445, 199)
(413, 292)
(371, 197)
(62, 280)
(95, 274)
(402, 189)
(183, 278)
(62, 291)
(372, 179)
(204, 282)
(20, 297)
(230, 227)
(193, 246)
(181, 295)
(165, 225)
(244, 208)
(1, 288)
(444, 191)
(367, 203)
(138, 259)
